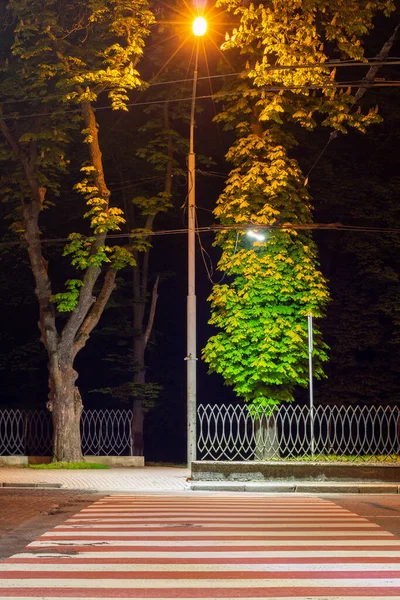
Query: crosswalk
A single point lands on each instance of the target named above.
(208, 547)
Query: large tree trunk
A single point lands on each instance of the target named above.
(266, 438)
(65, 404)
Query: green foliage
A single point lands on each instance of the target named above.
(103, 218)
(59, 58)
(85, 254)
(371, 459)
(67, 301)
(140, 239)
(261, 313)
(83, 257)
(262, 350)
(121, 257)
(128, 391)
(152, 205)
(123, 367)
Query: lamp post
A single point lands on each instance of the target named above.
(199, 29)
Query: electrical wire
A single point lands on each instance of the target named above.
(135, 183)
(203, 252)
(212, 174)
(236, 227)
(271, 88)
(332, 64)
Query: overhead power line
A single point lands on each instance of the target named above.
(236, 227)
(331, 64)
(271, 88)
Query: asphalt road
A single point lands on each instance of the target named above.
(384, 510)
(27, 513)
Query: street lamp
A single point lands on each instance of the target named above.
(199, 26)
(199, 29)
(256, 235)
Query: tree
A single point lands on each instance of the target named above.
(157, 150)
(261, 348)
(60, 58)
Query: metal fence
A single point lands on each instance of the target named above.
(29, 432)
(228, 432)
(236, 432)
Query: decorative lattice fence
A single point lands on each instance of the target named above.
(235, 432)
(228, 432)
(29, 432)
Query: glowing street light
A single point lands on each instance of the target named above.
(256, 235)
(199, 29)
(199, 26)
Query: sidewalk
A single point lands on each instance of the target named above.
(147, 479)
(173, 479)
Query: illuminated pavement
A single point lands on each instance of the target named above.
(173, 479)
(214, 546)
(136, 479)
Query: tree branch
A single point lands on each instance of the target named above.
(7, 134)
(31, 210)
(96, 311)
(373, 70)
(153, 305)
(86, 298)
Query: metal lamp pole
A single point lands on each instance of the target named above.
(199, 28)
(310, 367)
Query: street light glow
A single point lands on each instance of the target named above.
(199, 26)
(256, 235)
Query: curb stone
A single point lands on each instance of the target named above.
(302, 488)
(31, 485)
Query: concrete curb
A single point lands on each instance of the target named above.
(30, 485)
(296, 472)
(301, 488)
(111, 461)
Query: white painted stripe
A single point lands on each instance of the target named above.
(186, 519)
(213, 512)
(221, 498)
(222, 526)
(196, 500)
(198, 583)
(354, 553)
(262, 503)
(148, 507)
(218, 543)
(211, 597)
(194, 533)
(199, 568)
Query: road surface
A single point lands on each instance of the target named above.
(214, 546)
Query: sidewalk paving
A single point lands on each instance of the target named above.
(160, 479)
(173, 479)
